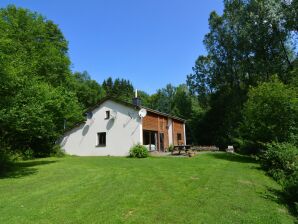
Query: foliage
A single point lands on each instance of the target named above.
(5, 161)
(57, 151)
(291, 190)
(246, 45)
(34, 82)
(270, 113)
(280, 160)
(218, 124)
(145, 98)
(138, 151)
(163, 99)
(171, 148)
(119, 88)
(35, 118)
(88, 91)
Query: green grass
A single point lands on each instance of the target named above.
(209, 188)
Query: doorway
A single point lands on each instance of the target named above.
(161, 142)
(150, 139)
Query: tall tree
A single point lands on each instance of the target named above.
(119, 88)
(34, 77)
(88, 91)
(247, 44)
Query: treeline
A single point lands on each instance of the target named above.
(247, 85)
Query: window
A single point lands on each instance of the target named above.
(101, 136)
(107, 114)
(179, 137)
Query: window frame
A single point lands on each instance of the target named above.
(99, 139)
(108, 115)
(179, 136)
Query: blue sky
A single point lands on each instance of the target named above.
(150, 42)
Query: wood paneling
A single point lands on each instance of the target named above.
(150, 122)
(178, 128)
(155, 122)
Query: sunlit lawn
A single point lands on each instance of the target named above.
(209, 188)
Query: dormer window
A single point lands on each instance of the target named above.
(107, 114)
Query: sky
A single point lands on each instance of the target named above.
(150, 42)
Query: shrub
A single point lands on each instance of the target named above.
(280, 160)
(57, 151)
(291, 190)
(171, 148)
(5, 161)
(138, 151)
(270, 113)
(27, 154)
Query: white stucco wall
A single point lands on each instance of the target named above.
(184, 134)
(170, 131)
(121, 133)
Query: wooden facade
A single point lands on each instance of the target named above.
(178, 133)
(159, 125)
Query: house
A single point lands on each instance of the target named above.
(112, 127)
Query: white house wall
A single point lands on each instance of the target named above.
(170, 131)
(121, 133)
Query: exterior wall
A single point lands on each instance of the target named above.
(178, 127)
(150, 122)
(155, 122)
(163, 122)
(184, 134)
(170, 131)
(121, 133)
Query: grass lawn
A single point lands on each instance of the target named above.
(209, 188)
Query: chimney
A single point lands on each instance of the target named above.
(136, 101)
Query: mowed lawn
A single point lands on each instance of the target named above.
(208, 188)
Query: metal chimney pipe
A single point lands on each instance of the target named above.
(136, 101)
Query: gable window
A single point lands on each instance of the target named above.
(101, 139)
(107, 114)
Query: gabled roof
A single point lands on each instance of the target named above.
(125, 104)
(133, 106)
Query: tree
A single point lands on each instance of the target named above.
(36, 117)
(119, 88)
(270, 113)
(88, 91)
(163, 99)
(246, 45)
(34, 82)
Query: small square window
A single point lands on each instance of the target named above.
(107, 114)
(101, 136)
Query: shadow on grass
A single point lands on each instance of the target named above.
(279, 197)
(21, 169)
(233, 157)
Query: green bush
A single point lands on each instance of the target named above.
(270, 113)
(291, 190)
(5, 161)
(171, 148)
(280, 160)
(139, 151)
(57, 151)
